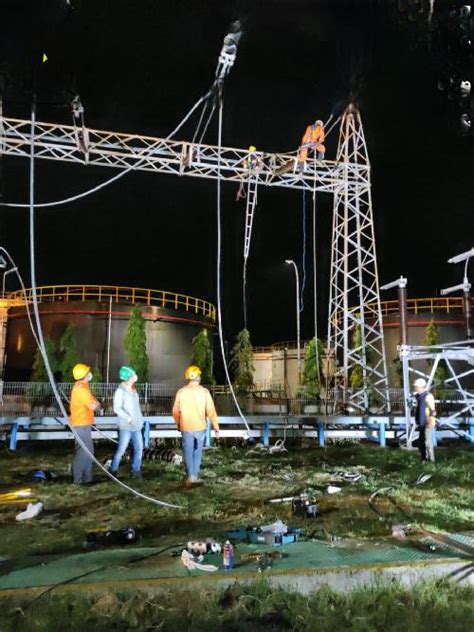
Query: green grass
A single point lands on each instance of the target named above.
(237, 486)
(432, 607)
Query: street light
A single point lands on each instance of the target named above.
(291, 262)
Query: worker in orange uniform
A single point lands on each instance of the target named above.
(83, 404)
(313, 139)
(192, 405)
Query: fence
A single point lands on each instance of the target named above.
(33, 399)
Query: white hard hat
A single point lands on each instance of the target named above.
(420, 383)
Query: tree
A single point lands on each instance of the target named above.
(135, 344)
(38, 370)
(356, 378)
(311, 377)
(432, 338)
(242, 361)
(203, 356)
(69, 353)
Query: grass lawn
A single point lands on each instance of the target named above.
(237, 485)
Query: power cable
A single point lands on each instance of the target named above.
(219, 255)
(110, 180)
(303, 281)
(41, 338)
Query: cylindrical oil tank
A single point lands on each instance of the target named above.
(100, 315)
(277, 364)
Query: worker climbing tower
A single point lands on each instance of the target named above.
(355, 335)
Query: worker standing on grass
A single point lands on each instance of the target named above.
(83, 404)
(127, 408)
(313, 139)
(425, 417)
(192, 405)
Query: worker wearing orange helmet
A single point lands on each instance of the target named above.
(192, 407)
(313, 139)
(83, 404)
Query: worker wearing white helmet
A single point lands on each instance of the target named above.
(425, 417)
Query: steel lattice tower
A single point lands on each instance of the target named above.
(355, 334)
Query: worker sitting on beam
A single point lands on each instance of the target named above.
(313, 139)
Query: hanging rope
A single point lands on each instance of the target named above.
(315, 284)
(303, 282)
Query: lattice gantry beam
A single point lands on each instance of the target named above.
(355, 334)
(146, 153)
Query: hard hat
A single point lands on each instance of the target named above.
(252, 148)
(319, 122)
(420, 383)
(192, 372)
(126, 372)
(80, 371)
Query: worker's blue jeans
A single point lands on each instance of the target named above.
(193, 443)
(125, 436)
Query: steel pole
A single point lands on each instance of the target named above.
(109, 329)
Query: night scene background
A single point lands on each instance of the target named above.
(139, 66)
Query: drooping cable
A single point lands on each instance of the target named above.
(114, 178)
(39, 332)
(315, 285)
(219, 255)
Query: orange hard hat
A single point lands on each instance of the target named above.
(80, 371)
(193, 372)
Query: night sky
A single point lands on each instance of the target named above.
(139, 66)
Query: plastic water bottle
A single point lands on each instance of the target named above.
(228, 556)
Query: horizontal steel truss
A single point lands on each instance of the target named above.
(458, 352)
(67, 143)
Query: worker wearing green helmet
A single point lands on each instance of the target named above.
(130, 421)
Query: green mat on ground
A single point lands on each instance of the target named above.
(122, 565)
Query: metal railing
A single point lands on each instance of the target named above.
(33, 399)
(119, 294)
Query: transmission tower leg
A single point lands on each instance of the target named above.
(355, 330)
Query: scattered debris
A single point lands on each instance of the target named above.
(274, 534)
(277, 448)
(423, 478)
(305, 507)
(127, 535)
(41, 476)
(19, 495)
(192, 564)
(400, 531)
(332, 489)
(351, 477)
(200, 548)
(32, 510)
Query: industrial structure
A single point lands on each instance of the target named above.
(354, 277)
(100, 315)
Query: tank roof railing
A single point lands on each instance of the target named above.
(446, 304)
(119, 294)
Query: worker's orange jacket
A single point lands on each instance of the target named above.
(81, 400)
(193, 403)
(314, 134)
